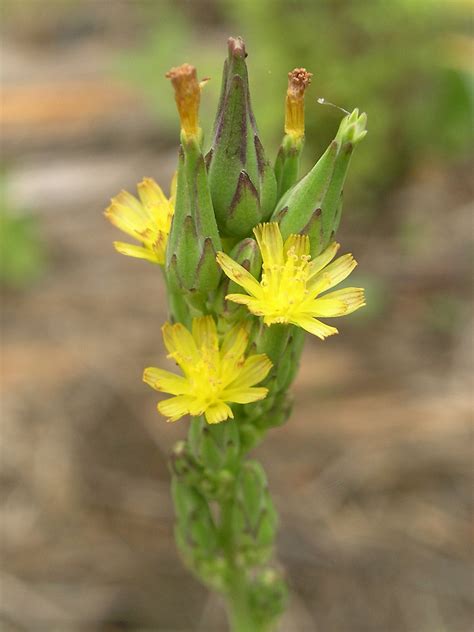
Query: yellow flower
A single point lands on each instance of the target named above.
(291, 284)
(147, 219)
(213, 374)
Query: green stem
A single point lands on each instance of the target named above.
(240, 614)
(241, 617)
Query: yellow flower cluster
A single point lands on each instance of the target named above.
(292, 290)
(146, 219)
(214, 374)
(291, 284)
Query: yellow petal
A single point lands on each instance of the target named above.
(128, 201)
(232, 352)
(254, 370)
(270, 242)
(151, 196)
(162, 380)
(322, 260)
(197, 407)
(244, 395)
(251, 302)
(218, 412)
(316, 327)
(235, 341)
(136, 251)
(243, 299)
(175, 407)
(332, 274)
(127, 220)
(340, 302)
(205, 333)
(237, 273)
(180, 345)
(159, 247)
(299, 244)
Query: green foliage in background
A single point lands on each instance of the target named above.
(383, 57)
(391, 59)
(172, 35)
(22, 258)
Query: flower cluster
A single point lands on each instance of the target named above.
(248, 252)
(237, 231)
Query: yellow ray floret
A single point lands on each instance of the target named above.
(147, 219)
(291, 283)
(215, 373)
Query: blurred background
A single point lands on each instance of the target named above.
(371, 475)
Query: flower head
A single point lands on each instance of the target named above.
(147, 219)
(213, 373)
(291, 284)
(298, 80)
(187, 90)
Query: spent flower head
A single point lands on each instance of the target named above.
(291, 283)
(298, 80)
(214, 373)
(146, 219)
(187, 90)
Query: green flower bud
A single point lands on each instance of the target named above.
(184, 466)
(269, 595)
(196, 535)
(242, 182)
(196, 532)
(216, 446)
(194, 237)
(255, 519)
(313, 206)
(250, 436)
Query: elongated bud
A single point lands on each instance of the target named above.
(194, 237)
(242, 182)
(352, 128)
(313, 206)
(288, 158)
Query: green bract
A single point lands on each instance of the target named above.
(313, 206)
(194, 238)
(242, 182)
